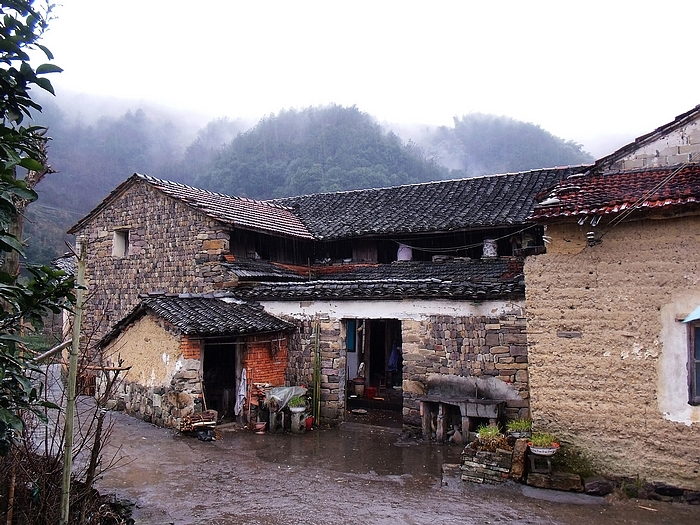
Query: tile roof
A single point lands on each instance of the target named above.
(246, 270)
(614, 192)
(67, 263)
(208, 316)
(460, 279)
(236, 211)
(478, 202)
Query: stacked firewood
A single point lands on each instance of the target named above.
(193, 422)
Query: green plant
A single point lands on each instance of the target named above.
(543, 440)
(297, 401)
(519, 425)
(489, 438)
(488, 432)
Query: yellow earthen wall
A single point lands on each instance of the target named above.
(150, 351)
(607, 353)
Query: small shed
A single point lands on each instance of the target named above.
(190, 353)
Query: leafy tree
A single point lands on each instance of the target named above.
(21, 148)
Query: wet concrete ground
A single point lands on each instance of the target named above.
(354, 474)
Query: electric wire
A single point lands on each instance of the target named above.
(463, 247)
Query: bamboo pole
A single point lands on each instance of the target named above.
(72, 373)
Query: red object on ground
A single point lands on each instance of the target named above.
(370, 392)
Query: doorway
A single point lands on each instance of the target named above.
(219, 371)
(374, 345)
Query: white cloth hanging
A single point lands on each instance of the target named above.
(242, 391)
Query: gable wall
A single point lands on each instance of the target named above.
(608, 357)
(173, 249)
(673, 148)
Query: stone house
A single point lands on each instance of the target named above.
(177, 348)
(614, 353)
(413, 282)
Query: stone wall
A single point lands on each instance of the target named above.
(608, 353)
(477, 347)
(679, 146)
(300, 368)
(166, 253)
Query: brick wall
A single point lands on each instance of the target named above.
(190, 348)
(608, 354)
(265, 361)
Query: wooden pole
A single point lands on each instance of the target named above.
(72, 373)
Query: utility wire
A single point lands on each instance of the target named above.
(464, 247)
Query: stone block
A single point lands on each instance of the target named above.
(598, 486)
(499, 350)
(556, 481)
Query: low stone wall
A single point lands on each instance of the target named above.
(162, 406)
(486, 467)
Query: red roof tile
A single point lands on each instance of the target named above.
(610, 193)
(237, 211)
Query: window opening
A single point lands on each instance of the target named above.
(120, 243)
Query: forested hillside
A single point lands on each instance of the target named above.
(316, 150)
(481, 144)
(295, 152)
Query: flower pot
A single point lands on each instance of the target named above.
(544, 451)
(297, 410)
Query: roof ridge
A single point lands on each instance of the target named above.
(436, 182)
(164, 182)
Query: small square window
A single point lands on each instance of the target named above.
(120, 243)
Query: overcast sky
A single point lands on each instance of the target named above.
(597, 72)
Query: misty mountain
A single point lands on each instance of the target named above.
(316, 149)
(481, 144)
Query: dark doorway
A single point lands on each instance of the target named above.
(220, 377)
(378, 347)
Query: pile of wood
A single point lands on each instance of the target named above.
(206, 419)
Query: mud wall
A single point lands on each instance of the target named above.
(163, 383)
(608, 353)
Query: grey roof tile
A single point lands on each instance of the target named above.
(478, 202)
(500, 278)
(206, 316)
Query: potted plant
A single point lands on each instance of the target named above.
(519, 428)
(297, 404)
(543, 444)
(489, 438)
